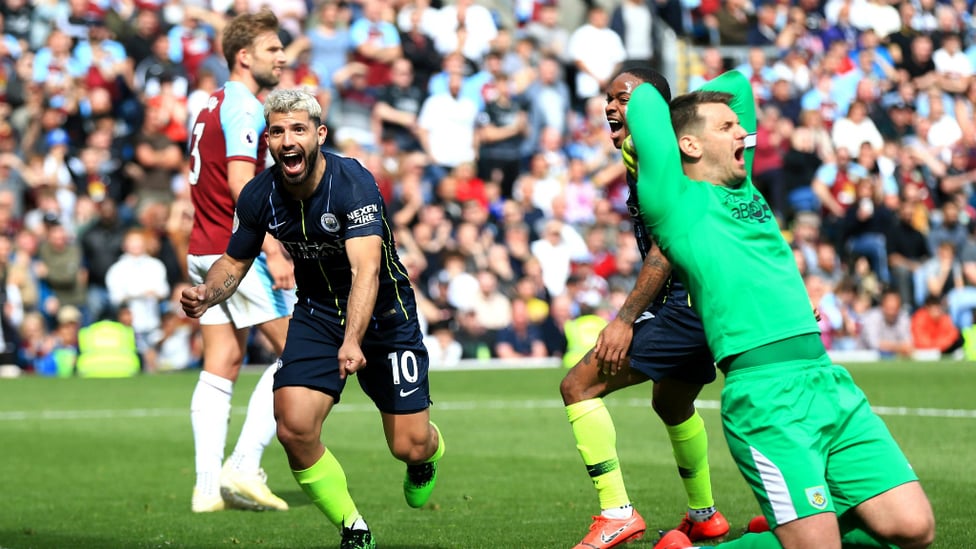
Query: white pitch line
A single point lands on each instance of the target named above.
(459, 406)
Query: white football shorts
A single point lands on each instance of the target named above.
(254, 302)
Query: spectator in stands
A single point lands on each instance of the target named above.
(158, 157)
(908, 250)
(549, 102)
(957, 184)
(840, 28)
(551, 38)
(446, 128)
(107, 348)
(138, 281)
(887, 327)
(916, 65)
(852, 131)
(17, 16)
(759, 73)
(191, 41)
(943, 131)
(766, 29)
(417, 42)
(520, 338)
(865, 224)
(476, 342)
(712, 65)
(397, 107)
(466, 27)
(835, 187)
(34, 343)
(597, 53)
(783, 98)
(932, 329)
(953, 68)
(939, 275)
(580, 194)
(633, 21)
(806, 235)
(801, 161)
(851, 307)
(442, 346)
(61, 347)
(503, 126)
(355, 101)
(772, 144)
(962, 297)
(60, 268)
(517, 239)
(101, 246)
(375, 43)
(180, 344)
(947, 225)
(327, 42)
(732, 22)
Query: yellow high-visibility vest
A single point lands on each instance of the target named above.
(581, 335)
(107, 349)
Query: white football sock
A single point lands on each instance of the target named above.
(209, 415)
(622, 512)
(259, 425)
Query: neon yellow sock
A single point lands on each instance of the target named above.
(439, 453)
(596, 440)
(325, 485)
(689, 443)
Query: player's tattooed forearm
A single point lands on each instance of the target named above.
(215, 294)
(230, 282)
(659, 263)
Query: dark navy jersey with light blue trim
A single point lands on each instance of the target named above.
(347, 204)
(673, 289)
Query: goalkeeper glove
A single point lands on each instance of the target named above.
(630, 156)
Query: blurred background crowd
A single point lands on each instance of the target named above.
(483, 123)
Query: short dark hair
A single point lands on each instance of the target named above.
(684, 109)
(645, 73)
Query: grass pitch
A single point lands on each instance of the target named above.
(88, 463)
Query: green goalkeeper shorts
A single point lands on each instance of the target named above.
(806, 439)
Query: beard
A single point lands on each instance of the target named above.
(309, 162)
(266, 80)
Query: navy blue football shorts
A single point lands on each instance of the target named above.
(395, 376)
(669, 341)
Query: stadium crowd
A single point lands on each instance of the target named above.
(485, 129)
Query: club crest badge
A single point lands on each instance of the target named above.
(329, 223)
(817, 497)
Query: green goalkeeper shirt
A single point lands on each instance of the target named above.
(724, 242)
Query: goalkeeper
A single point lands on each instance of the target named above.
(787, 412)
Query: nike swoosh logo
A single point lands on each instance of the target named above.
(275, 226)
(607, 538)
(408, 393)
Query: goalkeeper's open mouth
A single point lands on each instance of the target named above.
(740, 155)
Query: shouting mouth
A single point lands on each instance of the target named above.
(293, 163)
(617, 129)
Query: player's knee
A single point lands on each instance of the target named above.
(410, 450)
(582, 382)
(294, 435)
(672, 412)
(569, 389)
(915, 532)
